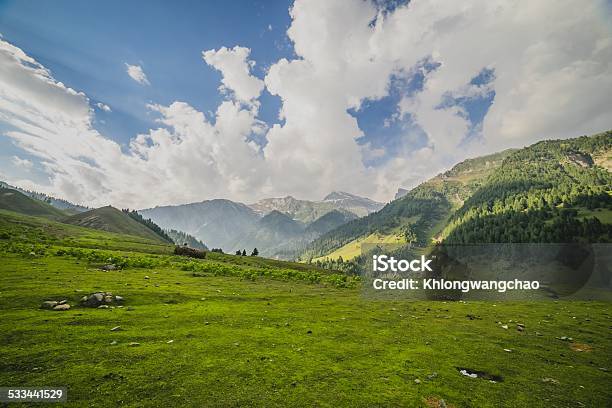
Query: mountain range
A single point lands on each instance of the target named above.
(552, 191)
(278, 227)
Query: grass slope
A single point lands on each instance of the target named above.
(246, 331)
(353, 248)
(112, 220)
(13, 200)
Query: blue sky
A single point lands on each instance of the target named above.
(86, 44)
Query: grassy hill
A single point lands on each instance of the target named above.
(542, 193)
(13, 200)
(552, 191)
(112, 220)
(246, 331)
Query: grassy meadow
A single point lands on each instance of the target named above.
(246, 331)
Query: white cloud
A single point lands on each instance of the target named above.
(23, 163)
(552, 78)
(137, 74)
(235, 67)
(103, 106)
(186, 159)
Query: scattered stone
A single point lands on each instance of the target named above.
(432, 375)
(170, 342)
(116, 328)
(236, 344)
(61, 302)
(109, 267)
(147, 277)
(417, 381)
(62, 307)
(504, 326)
(565, 338)
(114, 342)
(133, 344)
(520, 327)
(508, 350)
(100, 298)
(206, 323)
(550, 380)
(103, 307)
(48, 304)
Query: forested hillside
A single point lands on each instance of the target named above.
(182, 238)
(133, 214)
(552, 191)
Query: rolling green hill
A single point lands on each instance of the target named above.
(552, 191)
(112, 220)
(13, 200)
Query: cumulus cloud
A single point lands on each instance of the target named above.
(552, 75)
(235, 67)
(103, 107)
(185, 159)
(137, 74)
(23, 163)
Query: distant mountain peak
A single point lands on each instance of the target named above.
(339, 195)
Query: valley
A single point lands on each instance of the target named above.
(233, 330)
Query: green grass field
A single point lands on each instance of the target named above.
(353, 248)
(246, 331)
